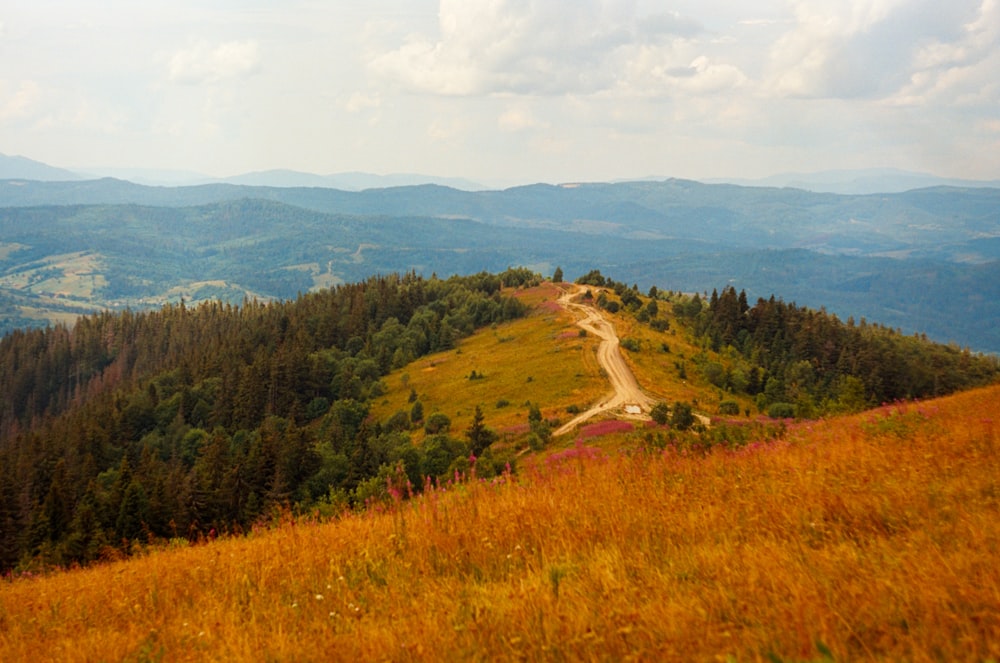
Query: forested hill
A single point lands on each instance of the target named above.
(133, 426)
(142, 426)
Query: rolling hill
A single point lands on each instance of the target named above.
(925, 261)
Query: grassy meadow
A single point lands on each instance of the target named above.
(870, 537)
(541, 359)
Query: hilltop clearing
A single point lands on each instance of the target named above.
(868, 537)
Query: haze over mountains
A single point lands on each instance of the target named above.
(18, 167)
(925, 261)
(848, 182)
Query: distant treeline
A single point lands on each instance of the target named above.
(177, 423)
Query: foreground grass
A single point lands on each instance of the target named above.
(871, 537)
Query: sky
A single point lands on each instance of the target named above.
(504, 91)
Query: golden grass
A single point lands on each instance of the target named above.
(876, 537)
(540, 358)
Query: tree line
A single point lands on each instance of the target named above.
(801, 362)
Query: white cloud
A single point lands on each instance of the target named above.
(203, 63)
(360, 101)
(519, 119)
(19, 102)
(652, 73)
(446, 130)
(959, 71)
(529, 47)
(866, 48)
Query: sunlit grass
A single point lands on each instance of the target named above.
(874, 537)
(540, 359)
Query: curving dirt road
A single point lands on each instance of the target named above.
(626, 397)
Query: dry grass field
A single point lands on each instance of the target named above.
(871, 537)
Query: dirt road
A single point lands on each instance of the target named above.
(626, 398)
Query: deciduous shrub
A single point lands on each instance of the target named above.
(729, 407)
(437, 423)
(781, 411)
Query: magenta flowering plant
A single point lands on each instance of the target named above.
(606, 428)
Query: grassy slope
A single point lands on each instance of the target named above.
(540, 359)
(544, 360)
(875, 535)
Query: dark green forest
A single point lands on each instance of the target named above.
(186, 422)
(802, 362)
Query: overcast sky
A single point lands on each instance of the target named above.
(504, 91)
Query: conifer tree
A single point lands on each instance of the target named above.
(479, 436)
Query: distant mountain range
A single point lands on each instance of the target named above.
(923, 261)
(847, 182)
(853, 182)
(18, 167)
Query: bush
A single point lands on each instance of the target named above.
(536, 442)
(682, 416)
(714, 373)
(437, 423)
(729, 407)
(440, 451)
(399, 421)
(593, 277)
(660, 413)
(317, 407)
(781, 411)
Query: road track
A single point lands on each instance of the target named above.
(625, 390)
